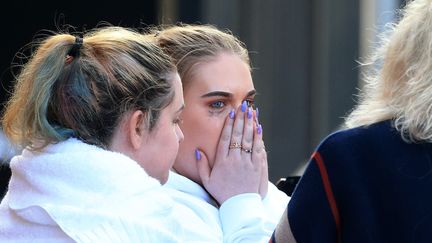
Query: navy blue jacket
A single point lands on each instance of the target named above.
(365, 185)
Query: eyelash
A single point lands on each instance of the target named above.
(251, 103)
(178, 121)
(212, 105)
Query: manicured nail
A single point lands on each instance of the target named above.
(256, 116)
(197, 154)
(232, 114)
(244, 106)
(250, 113)
(259, 129)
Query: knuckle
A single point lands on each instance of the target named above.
(225, 136)
(248, 139)
(237, 133)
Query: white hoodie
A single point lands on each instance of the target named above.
(75, 192)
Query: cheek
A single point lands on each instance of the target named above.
(203, 133)
(174, 145)
(211, 137)
(168, 142)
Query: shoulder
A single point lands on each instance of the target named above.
(361, 138)
(363, 133)
(275, 195)
(185, 190)
(275, 203)
(182, 183)
(124, 229)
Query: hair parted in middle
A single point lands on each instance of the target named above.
(189, 44)
(59, 94)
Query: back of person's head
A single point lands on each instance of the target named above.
(399, 78)
(73, 87)
(191, 44)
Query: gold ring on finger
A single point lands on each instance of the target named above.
(235, 145)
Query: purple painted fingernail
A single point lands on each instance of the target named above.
(244, 106)
(259, 129)
(197, 154)
(249, 114)
(232, 114)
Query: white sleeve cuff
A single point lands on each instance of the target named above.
(243, 216)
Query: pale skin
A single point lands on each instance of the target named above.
(134, 139)
(215, 88)
(235, 171)
(285, 229)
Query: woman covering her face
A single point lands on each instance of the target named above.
(221, 168)
(97, 118)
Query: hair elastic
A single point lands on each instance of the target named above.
(74, 50)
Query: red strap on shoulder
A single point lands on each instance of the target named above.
(329, 193)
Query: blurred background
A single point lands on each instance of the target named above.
(304, 53)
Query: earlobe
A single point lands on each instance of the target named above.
(137, 128)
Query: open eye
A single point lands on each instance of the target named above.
(217, 105)
(250, 103)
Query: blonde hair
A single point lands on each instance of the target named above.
(401, 89)
(191, 44)
(114, 70)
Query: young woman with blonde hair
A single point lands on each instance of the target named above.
(372, 182)
(221, 168)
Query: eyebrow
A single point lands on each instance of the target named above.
(225, 94)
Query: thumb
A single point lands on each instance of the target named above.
(203, 166)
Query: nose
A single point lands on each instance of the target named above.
(241, 103)
(237, 104)
(180, 135)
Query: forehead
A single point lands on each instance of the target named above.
(178, 90)
(225, 72)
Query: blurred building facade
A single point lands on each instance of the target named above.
(304, 54)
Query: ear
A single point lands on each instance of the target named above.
(137, 128)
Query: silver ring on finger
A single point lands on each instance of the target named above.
(246, 150)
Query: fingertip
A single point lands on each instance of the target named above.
(232, 114)
(203, 167)
(197, 154)
(257, 115)
(243, 106)
(259, 129)
(250, 113)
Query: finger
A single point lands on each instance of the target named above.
(257, 123)
(264, 177)
(203, 167)
(237, 132)
(248, 133)
(259, 159)
(225, 138)
(258, 145)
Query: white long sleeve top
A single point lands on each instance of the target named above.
(242, 218)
